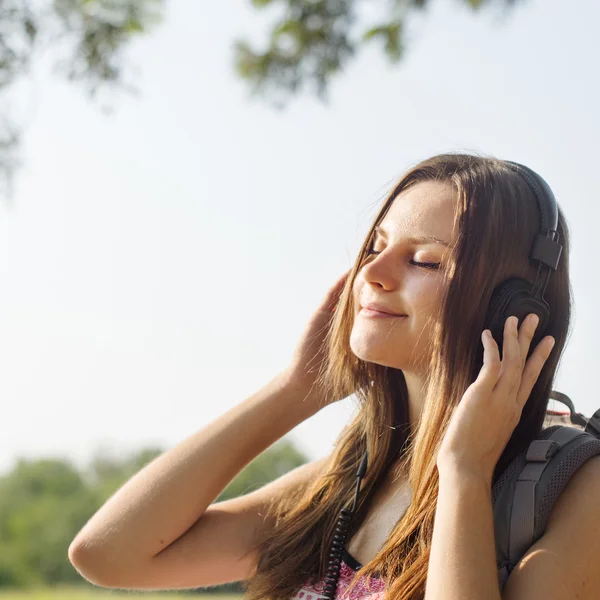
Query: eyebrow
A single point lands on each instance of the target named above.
(421, 239)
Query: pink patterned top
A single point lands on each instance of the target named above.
(361, 591)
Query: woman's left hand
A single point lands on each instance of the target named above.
(490, 409)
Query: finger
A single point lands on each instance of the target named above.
(488, 375)
(512, 366)
(526, 333)
(533, 368)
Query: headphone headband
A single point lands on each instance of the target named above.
(546, 248)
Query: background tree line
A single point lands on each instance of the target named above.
(45, 502)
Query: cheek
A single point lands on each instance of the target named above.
(427, 296)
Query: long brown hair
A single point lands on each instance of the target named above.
(497, 219)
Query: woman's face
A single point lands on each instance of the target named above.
(391, 278)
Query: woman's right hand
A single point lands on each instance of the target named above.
(303, 371)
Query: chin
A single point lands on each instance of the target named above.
(375, 353)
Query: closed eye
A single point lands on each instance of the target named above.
(424, 265)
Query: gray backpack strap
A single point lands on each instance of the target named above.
(522, 519)
(523, 496)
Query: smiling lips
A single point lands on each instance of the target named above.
(377, 310)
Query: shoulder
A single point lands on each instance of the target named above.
(565, 561)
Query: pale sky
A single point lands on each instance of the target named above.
(159, 265)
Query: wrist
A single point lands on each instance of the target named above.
(297, 392)
(456, 473)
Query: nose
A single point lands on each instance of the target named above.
(384, 269)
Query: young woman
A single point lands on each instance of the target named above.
(443, 408)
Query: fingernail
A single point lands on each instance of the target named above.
(551, 343)
(535, 320)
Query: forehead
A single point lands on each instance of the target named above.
(426, 208)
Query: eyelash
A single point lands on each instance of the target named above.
(425, 265)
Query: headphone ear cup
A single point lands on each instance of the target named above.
(513, 298)
(498, 303)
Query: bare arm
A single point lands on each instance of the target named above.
(462, 562)
(162, 502)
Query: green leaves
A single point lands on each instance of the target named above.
(88, 39)
(314, 40)
(44, 503)
(392, 37)
(262, 3)
(100, 31)
(309, 43)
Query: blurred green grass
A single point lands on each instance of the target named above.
(83, 593)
